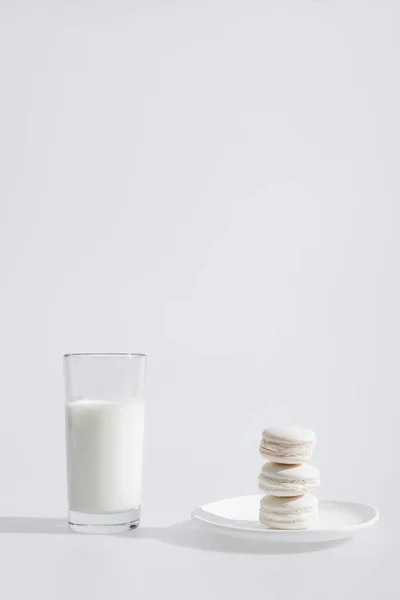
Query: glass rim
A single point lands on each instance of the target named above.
(105, 354)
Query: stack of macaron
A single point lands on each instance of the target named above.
(287, 479)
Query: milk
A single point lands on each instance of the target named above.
(104, 455)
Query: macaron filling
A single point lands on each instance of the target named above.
(302, 482)
(304, 453)
(286, 444)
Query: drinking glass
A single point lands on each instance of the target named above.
(104, 440)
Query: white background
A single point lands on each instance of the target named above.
(215, 184)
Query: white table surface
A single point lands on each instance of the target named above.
(169, 555)
(41, 558)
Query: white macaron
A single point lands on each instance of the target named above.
(288, 480)
(287, 445)
(296, 512)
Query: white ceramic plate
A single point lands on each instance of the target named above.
(239, 516)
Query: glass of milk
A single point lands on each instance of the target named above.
(104, 437)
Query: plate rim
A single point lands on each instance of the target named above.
(195, 515)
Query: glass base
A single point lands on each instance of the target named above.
(104, 523)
